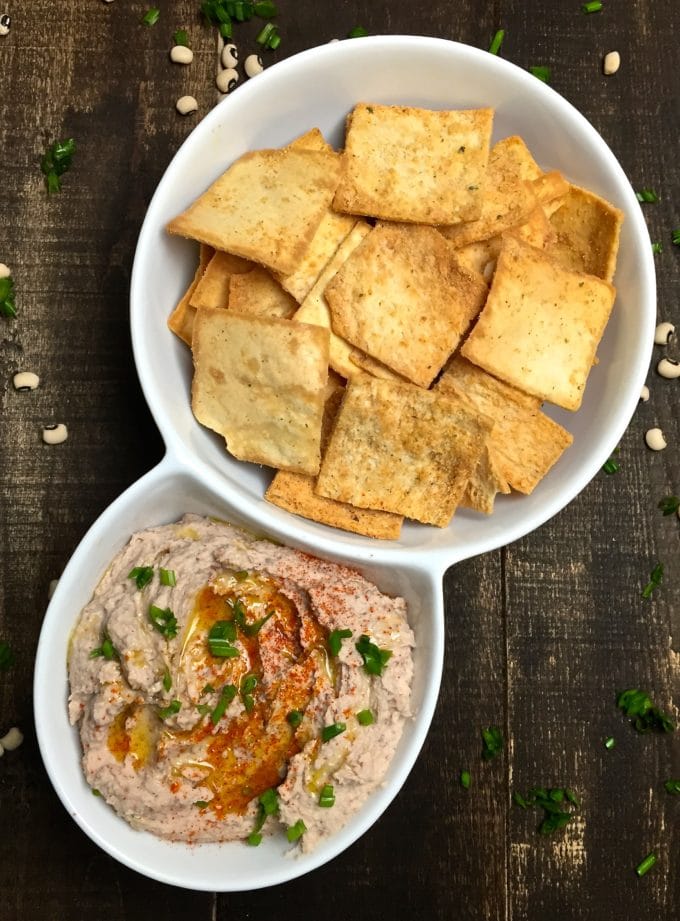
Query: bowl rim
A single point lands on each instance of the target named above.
(367, 548)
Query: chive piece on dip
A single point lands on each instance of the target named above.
(294, 718)
(330, 732)
(335, 638)
(327, 796)
(167, 577)
(142, 575)
(295, 832)
(365, 717)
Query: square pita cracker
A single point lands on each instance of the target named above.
(484, 485)
(374, 367)
(213, 288)
(508, 199)
(541, 325)
(330, 233)
(296, 493)
(587, 230)
(181, 320)
(401, 449)
(311, 140)
(524, 443)
(261, 383)
(403, 298)
(258, 294)
(481, 257)
(314, 308)
(266, 207)
(415, 165)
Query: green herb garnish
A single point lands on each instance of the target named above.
(675, 236)
(365, 717)
(201, 804)
(294, 718)
(492, 741)
(465, 779)
(497, 41)
(227, 694)
(56, 161)
(6, 657)
(357, 32)
(220, 638)
(541, 72)
(655, 579)
(295, 832)
(241, 575)
(254, 839)
(203, 709)
(552, 802)
(96, 792)
(646, 864)
(330, 732)
(268, 804)
(107, 650)
(151, 17)
(223, 13)
(167, 577)
(327, 796)
(208, 689)
(375, 659)
(142, 575)
(7, 306)
(644, 716)
(672, 787)
(657, 248)
(240, 619)
(335, 639)
(163, 620)
(269, 37)
(611, 466)
(594, 6)
(248, 685)
(167, 679)
(669, 505)
(609, 742)
(173, 707)
(181, 37)
(647, 196)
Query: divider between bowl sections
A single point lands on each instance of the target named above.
(143, 504)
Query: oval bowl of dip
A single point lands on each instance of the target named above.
(317, 89)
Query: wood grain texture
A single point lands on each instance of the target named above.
(540, 636)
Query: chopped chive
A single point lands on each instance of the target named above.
(56, 161)
(241, 575)
(327, 796)
(168, 577)
(644, 716)
(181, 37)
(465, 779)
(647, 196)
(220, 639)
(669, 505)
(552, 802)
(675, 236)
(142, 575)
(269, 800)
(375, 659)
(151, 17)
(265, 33)
(173, 707)
(497, 41)
(265, 9)
(227, 694)
(519, 800)
(167, 679)
(492, 740)
(203, 709)
(107, 650)
(7, 305)
(163, 620)
(295, 832)
(646, 864)
(330, 732)
(655, 580)
(594, 6)
(248, 685)
(657, 248)
(226, 30)
(672, 787)
(254, 839)
(541, 72)
(365, 717)
(294, 718)
(611, 466)
(335, 638)
(201, 804)
(357, 32)
(95, 792)
(208, 689)
(609, 742)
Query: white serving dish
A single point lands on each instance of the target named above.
(318, 88)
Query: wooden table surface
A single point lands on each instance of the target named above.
(540, 634)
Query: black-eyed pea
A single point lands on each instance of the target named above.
(226, 80)
(180, 54)
(55, 434)
(253, 65)
(669, 368)
(186, 105)
(663, 333)
(229, 56)
(654, 439)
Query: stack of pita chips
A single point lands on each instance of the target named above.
(383, 325)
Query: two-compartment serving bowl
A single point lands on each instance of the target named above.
(318, 88)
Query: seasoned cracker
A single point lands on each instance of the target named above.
(314, 308)
(330, 233)
(259, 294)
(484, 485)
(374, 367)
(541, 325)
(401, 449)
(524, 443)
(403, 298)
(415, 165)
(181, 320)
(266, 207)
(587, 230)
(213, 288)
(311, 140)
(296, 493)
(261, 383)
(481, 257)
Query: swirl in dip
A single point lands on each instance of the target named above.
(224, 685)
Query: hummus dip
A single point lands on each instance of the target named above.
(224, 685)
